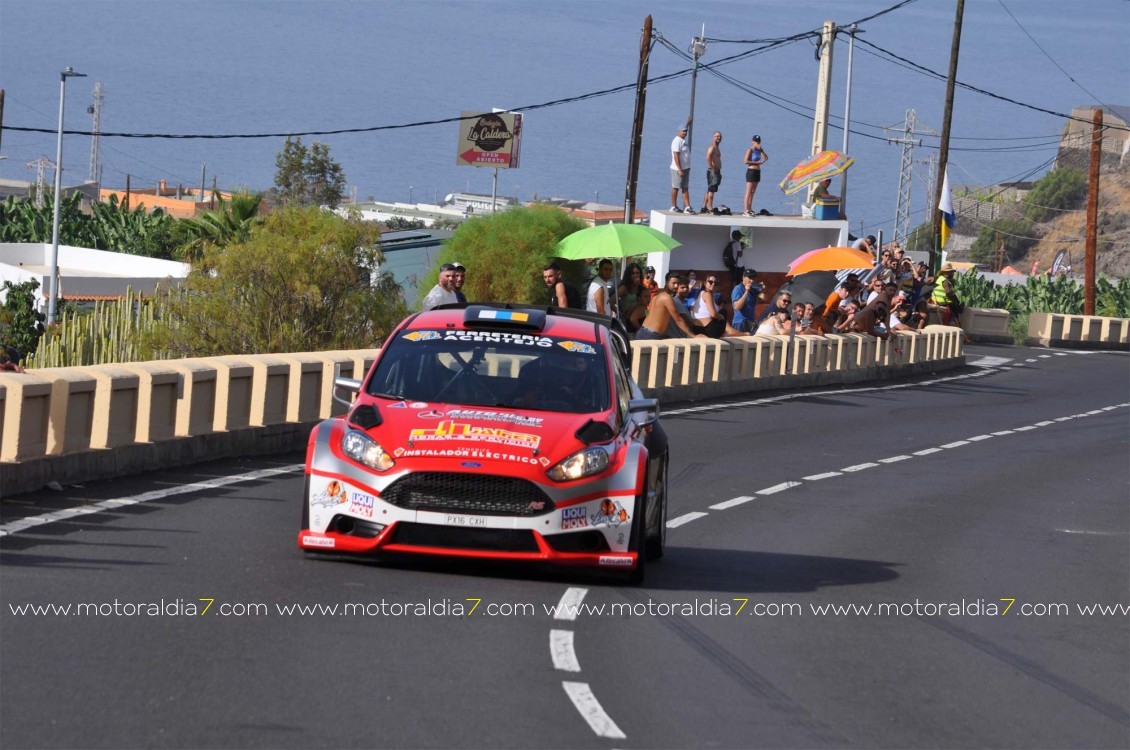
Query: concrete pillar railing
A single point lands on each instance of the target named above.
(56, 422)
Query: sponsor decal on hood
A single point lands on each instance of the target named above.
(450, 430)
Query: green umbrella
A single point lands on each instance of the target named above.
(614, 241)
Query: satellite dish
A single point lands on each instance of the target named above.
(449, 198)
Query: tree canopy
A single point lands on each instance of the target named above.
(504, 253)
(1058, 190)
(302, 281)
(308, 176)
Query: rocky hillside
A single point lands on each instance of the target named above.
(1068, 231)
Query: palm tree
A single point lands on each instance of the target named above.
(231, 222)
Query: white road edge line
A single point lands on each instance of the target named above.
(1095, 533)
(589, 707)
(731, 503)
(561, 649)
(23, 523)
(675, 523)
(570, 603)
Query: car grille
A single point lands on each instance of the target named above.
(468, 493)
(457, 537)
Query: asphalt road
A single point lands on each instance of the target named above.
(946, 499)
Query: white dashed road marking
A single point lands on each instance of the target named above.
(675, 523)
(734, 502)
(561, 648)
(570, 602)
(778, 488)
(589, 707)
(989, 362)
(731, 503)
(825, 475)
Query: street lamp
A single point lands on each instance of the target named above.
(68, 73)
(697, 50)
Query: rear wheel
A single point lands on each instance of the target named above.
(657, 539)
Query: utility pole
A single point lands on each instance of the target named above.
(1092, 214)
(637, 125)
(95, 111)
(1, 114)
(944, 147)
(697, 50)
(127, 194)
(823, 92)
(853, 30)
(203, 170)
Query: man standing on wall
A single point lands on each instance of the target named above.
(713, 172)
(681, 171)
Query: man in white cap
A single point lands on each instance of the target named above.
(681, 171)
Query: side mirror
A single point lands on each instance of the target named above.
(645, 410)
(351, 385)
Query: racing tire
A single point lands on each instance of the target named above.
(637, 542)
(656, 541)
(305, 511)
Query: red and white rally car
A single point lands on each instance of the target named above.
(494, 431)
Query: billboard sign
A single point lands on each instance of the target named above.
(489, 139)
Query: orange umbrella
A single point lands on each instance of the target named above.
(831, 259)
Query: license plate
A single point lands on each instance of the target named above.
(453, 519)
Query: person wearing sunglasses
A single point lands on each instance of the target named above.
(704, 311)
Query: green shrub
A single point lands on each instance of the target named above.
(504, 253)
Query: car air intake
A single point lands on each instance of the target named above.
(461, 537)
(468, 493)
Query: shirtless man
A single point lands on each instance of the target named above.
(664, 319)
(713, 172)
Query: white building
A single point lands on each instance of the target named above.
(774, 241)
(84, 274)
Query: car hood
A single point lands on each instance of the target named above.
(451, 435)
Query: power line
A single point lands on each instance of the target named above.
(377, 128)
(1040, 47)
(940, 76)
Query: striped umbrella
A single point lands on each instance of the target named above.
(814, 169)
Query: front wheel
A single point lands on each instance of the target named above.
(637, 542)
(656, 542)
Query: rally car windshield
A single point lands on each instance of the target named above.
(489, 368)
